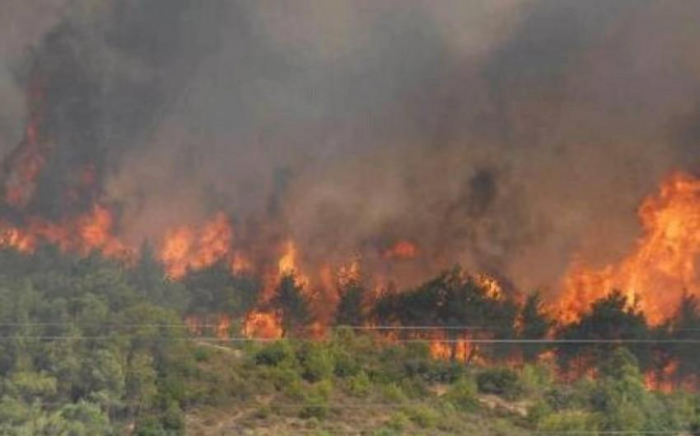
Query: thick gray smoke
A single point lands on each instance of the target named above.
(505, 135)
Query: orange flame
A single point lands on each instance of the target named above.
(461, 350)
(185, 249)
(262, 325)
(89, 232)
(661, 267)
(288, 264)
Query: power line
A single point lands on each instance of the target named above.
(399, 340)
(209, 325)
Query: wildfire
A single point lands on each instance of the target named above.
(662, 265)
(262, 325)
(92, 231)
(218, 326)
(491, 285)
(402, 250)
(240, 264)
(460, 350)
(25, 163)
(185, 248)
(288, 264)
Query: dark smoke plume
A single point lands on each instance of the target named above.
(504, 135)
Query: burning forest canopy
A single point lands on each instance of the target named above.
(546, 145)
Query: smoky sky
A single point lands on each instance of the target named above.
(509, 136)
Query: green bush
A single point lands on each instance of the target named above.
(316, 362)
(201, 354)
(569, 421)
(423, 416)
(316, 401)
(463, 394)
(399, 422)
(393, 393)
(503, 382)
(345, 364)
(275, 354)
(359, 385)
(536, 379)
(538, 411)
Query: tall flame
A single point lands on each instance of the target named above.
(288, 264)
(662, 265)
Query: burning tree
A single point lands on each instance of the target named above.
(452, 310)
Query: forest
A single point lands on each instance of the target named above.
(95, 347)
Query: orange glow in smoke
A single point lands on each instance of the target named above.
(402, 250)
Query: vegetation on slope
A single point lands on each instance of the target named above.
(88, 347)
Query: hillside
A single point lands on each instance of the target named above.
(90, 347)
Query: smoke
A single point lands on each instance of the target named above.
(507, 135)
(22, 27)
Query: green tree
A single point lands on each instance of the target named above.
(591, 339)
(350, 311)
(535, 324)
(294, 308)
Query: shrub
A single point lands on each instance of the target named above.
(316, 362)
(538, 411)
(285, 380)
(570, 421)
(393, 393)
(316, 401)
(275, 354)
(345, 365)
(536, 379)
(414, 388)
(503, 382)
(463, 394)
(359, 385)
(201, 354)
(422, 416)
(399, 421)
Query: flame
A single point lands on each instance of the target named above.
(491, 285)
(92, 231)
(461, 350)
(349, 273)
(661, 380)
(262, 325)
(186, 249)
(662, 265)
(288, 264)
(402, 250)
(240, 264)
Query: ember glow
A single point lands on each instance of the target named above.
(661, 267)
